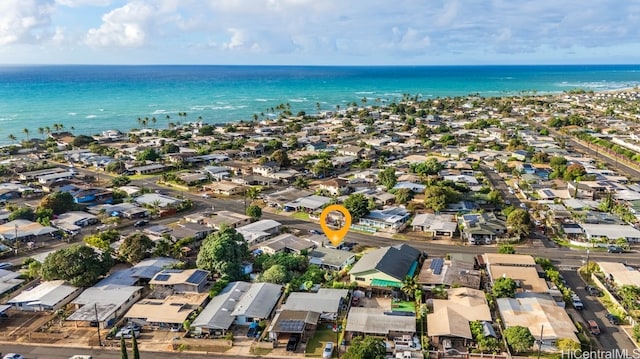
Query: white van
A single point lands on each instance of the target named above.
(81, 357)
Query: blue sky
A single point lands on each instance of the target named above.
(319, 32)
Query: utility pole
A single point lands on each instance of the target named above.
(588, 271)
(338, 339)
(16, 239)
(540, 341)
(95, 308)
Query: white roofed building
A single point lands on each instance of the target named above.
(48, 296)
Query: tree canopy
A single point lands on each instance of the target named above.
(80, 265)
(519, 222)
(255, 212)
(357, 204)
(148, 154)
(276, 274)
(135, 248)
(369, 348)
(519, 338)
(428, 167)
(388, 177)
(223, 252)
(504, 287)
(58, 202)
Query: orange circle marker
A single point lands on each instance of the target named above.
(335, 236)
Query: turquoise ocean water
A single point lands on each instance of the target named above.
(95, 98)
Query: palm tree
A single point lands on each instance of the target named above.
(153, 120)
(168, 120)
(409, 286)
(12, 138)
(26, 132)
(47, 129)
(56, 127)
(41, 131)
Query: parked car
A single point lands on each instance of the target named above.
(593, 327)
(79, 356)
(615, 249)
(133, 326)
(576, 302)
(328, 350)
(13, 356)
(613, 319)
(292, 344)
(593, 291)
(141, 223)
(127, 334)
(355, 301)
(314, 231)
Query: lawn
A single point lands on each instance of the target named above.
(315, 346)
(301, 215)
(404, 307)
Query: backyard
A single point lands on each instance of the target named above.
(316, 344)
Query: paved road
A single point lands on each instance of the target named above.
(42, 352)
(611, 337)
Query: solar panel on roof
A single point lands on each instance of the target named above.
(162, 277)
(436, 265)
(291, 325)
(547, 192)
(197, 277)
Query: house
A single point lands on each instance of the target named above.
(225, 188)
(380, 323)
(541, 315)
(168, 312)
(239, 302)
(619, 274)
(157, 199)
(254, 148)
(47, 296)
(436, 225)
(334, 186)
(103, 305)
(259, 231)
(141, 273)
(449, 273)
(386, 267)
(451, 317)
(326, 301)
(286, 243)
(413, 187)
(288, 322)
(147, 169)
(180, 281)
(33, 175)
(482, 228)
(9, 281)
(610, 232)
(392, 219)
(307, 204)
(331, 259)
(190, 230)
(280, 198)
(520, 155)
(26, 231)
(519, 267)
(231, 219)
(266, 168)
(74, 221)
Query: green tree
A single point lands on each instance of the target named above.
(504, 287)
(135, 248)
(427, 168)
(82, 141)
(58, 202)
(255, 212)
(403, 195)
(388, 177)
(409, 286)
(275, 274)
(148, 154)
(519, 338)
(485, 343)
(367, 348)
(566, 344)
(223, 252)
(358, 205)
(301, 182)
(574, 172)
(123, 349)
(495, 197)
(22, 213)
(519, 222)
(252, 193)
(80, 265)
(102, 240)
(116, 167)
(438, 196)
(281, 157)
(120, 181)
(636, 333)
(506, 249)
(134, 343)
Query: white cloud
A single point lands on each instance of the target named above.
(23, 20)
(123, 27)
(78, 3)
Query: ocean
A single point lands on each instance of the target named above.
(91, 99)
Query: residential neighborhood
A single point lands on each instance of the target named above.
(478, 225)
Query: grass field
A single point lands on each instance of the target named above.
(315, 346)
(301, 215)
(404, 307)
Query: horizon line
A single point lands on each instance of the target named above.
(323, 65)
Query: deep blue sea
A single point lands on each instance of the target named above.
(95, 98)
